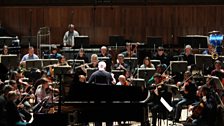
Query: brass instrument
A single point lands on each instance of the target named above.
(215, 55)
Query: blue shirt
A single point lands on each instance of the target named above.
(28, 57)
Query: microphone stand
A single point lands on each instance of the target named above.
(129, 62)
(74, 62)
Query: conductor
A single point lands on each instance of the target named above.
(101, 76)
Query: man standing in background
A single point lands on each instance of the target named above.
(68, 39)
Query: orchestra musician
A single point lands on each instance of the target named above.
(81, 56)
(188, 91)
(28, 56)
(62, 61)
(5, 50)
(158, 90)
(188, 56)
(80, 71)
(160, 68)
(93, 63)
(204, 111)
(22, 101)
(19, 78)
(3, 103)
(218, 71)
(68, 39)
(210, 50)
(147, 63)
(13, 116)
(130, 51)
(121, 65)
(122, 81)
(104, 53)
(54, 54)
(162, 56)
(82, 79)
(45, 92)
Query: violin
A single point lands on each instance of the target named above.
(183, 87)
(51, 89)
(166, 78)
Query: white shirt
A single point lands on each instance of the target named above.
(40, 93)
(69, 38)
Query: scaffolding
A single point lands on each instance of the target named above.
(43, 38)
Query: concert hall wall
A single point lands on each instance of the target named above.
(100, 22)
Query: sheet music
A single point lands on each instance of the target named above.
(168, 107)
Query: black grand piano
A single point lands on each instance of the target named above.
(102, 103)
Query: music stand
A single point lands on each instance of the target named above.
(36, 63)
(196, 41)
(47, 62)
(178, 66)
(117, 73)
(59, 71)
(155, 62)
(203, 61)
(116, 40)
(90, 71)
(131, 61)
(153, 41)
(145, 73)
(81, 41)
(9, 61)
(221, 58)
(138, 82)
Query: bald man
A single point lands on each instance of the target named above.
(104, 53)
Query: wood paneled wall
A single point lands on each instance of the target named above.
(99, 22)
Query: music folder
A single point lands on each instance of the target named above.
(178, 66)
(164, 102)
(203, 61)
